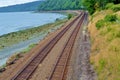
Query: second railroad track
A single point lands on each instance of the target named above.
(27, 70)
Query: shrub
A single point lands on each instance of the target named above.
(102, 63)
(109, 5)
(99, 24)
(118, 34)
(116, 7)
(110, 18)
(69, 16)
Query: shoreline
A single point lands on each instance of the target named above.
(12, 38)
(46, 29)
(32, 38)
(14, 34)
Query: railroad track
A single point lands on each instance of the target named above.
(60, 69)
(27, 70)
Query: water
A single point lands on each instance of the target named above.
(7, 52)
(15, 21)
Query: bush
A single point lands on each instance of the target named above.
(102, 63)
(69, 16)
(116, 7)
(109, 5)
(112, 6)
(99, 24)
(110, 18)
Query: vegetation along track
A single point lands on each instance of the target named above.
(60, 69)
(27, 70)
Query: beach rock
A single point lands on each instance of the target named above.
(13, 58)
(2, 70)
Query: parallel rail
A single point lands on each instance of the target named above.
(60, 69)
(27, 70)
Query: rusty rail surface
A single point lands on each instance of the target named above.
(60, 68)
(27, 70)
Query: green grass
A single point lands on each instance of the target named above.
(102, 64)
(100, 24)
(28, 48)
(114, 7)
(70, 16)
(109, 5)
(105, 50)
(108, 19)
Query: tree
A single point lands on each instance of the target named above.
(92, 5)
(60, 5)
(89, 5)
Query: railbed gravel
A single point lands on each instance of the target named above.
(81, 68)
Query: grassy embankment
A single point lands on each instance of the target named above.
(104, 28)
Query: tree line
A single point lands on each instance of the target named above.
(60, 5)
(90, 5)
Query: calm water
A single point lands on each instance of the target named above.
(14, 21)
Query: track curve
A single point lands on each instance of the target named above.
(60, 69)
(30, 67)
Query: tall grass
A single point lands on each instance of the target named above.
(105, 54)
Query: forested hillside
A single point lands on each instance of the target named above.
(32, 6)
(60, 5)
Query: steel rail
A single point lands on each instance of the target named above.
(58, 72)
(26, 71)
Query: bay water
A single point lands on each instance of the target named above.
(15, 21)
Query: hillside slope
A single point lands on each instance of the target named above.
(60, 5)
(32, 6)
(105, 54)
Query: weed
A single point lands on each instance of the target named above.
(99, 24)
(110, 18)
(109, 5)
(116, 8)
(102, 63)
(101, 66)
(70, 16)
(118, 34)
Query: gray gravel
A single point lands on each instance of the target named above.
(83, 70)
